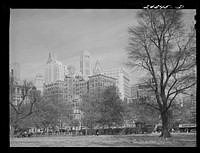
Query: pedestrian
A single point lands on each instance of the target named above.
(97, 132)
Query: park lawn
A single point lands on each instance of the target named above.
(140, 140)
(153, 140)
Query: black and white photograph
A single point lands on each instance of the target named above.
(102, 77)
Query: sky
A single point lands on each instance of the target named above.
(34, 33)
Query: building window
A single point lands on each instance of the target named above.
(18, 91)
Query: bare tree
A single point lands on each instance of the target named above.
(162, 46)
(25, 107)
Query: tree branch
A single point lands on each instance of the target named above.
(13, 107)
(171, 87)
(170, 102)
(179, 90)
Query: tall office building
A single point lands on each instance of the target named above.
(15, 72)
(122, 82)
(38, 82)
(85, 63)
(75, 88)
(97, 68)
(54, 70)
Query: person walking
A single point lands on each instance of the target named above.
(97, 132)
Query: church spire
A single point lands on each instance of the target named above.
(49, 59)
(97, 68)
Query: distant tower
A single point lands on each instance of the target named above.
(71, 70)
(38, 82)
(85, 65)
(97, 68)
(48, 70)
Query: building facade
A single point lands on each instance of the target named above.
(143, 90)
(99, 81)
(17, 96)
(54, 91)
(75, 88)
(122, 81)
(85, 63)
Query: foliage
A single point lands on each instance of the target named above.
(142, 110)
(103, 108)
(51, 113)
(91, 104)
(162, 46)
(37, 112)
(111, 108)
(183, 114)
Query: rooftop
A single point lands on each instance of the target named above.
(102, 75)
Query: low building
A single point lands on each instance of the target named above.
(100, 81)
(142, 91)
(54, 91)
(17, 95)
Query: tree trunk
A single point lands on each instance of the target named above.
(11, 131)
(165, 132)
(103, 130)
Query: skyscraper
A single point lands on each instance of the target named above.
(38, 82)
(54, 70)
(122, 82)
(15, 72)
(85, 64)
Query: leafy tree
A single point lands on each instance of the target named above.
(111, 108)
(183, 113)
(90, 107)
(141, 110)
(103, 108)
(51, 113)
(166, 50)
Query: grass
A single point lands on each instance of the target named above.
(140, 140)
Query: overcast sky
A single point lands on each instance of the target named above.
(34, 33)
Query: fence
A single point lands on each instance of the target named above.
(107, 131)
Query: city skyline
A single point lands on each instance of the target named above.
(35, 33)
